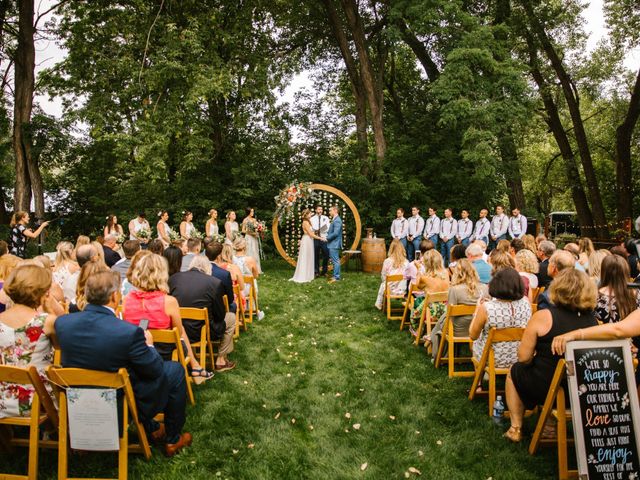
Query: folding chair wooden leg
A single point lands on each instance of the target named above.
(34, 431)
(63, 439)
(563, 462)
(547, 407)
(123, 453)
(425, 317)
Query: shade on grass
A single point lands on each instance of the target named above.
(321, 364)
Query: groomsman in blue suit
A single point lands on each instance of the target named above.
(334, 242)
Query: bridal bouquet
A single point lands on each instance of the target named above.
(288, 197)
(257, 227)
(144, 233)
(121, 238)
(218, 238)
(174, 236)
(195, 233)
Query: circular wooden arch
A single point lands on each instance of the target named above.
(345, 199)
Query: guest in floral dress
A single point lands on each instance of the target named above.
(24, 335)
(395, 264)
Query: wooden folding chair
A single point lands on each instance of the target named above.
(451, 340)
(487, 362)
(42, 410)
(78, 377)
(425, 317)
(205, 344)
(408, 306)
(535, 292)
(252, 300)
(556, 395)
(240, 315)
(392, 312)
(172, 336)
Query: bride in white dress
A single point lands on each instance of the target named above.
(306, 256)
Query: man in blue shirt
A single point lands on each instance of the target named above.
(474, 254)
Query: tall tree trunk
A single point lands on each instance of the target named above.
(573, 103)
(23, 103)
(371, 87)
(624, 172)
(356, 86)
(419, 50)
(585, 217)
(511, 166)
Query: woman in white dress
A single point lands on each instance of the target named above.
(186, 226)
(231, 227)
(211, 228)
(249, 228)
(137, 224)
(306, 256)
(113, 227)
(163, 228)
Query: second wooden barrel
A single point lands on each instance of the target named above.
(373, 254)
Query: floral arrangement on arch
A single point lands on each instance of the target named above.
(291, 194)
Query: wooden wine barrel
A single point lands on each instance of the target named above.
(373, 254)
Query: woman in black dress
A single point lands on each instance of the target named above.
(573, 295)
(20, 233)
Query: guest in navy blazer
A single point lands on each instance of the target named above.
(96, 339)
(213, 252)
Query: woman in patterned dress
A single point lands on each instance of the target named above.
(395, 264)
(24, 334)
(20, 233)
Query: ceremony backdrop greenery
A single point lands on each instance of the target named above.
(178, 104)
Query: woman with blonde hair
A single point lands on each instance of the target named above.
(99, 249)
(80, 241)
(530, 243)
(152, 302)
(25, 334)
(65, 265)
(211, 228)
(503, 246)
(528, 267)
(88, 269)
(395, 264)
(21, 233)
(573, 298)
(434, 279)
(127, 286)
(465, 289)
(595, 264)
(237, 278)
(586, 249)
(249, 267)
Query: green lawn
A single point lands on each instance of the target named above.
(322, 363)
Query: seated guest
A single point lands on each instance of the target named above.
(458, 252)
(545, 250)
(632, 257)
(65, 264)
(595, 264)
(416, 268)
(97, 340)
(434, 279)
(197, 288)
(530, 243)
(8, 263)
(86, 253)
(395, 264)
(56, 302)
(181, 244)
(500, 260)
(88, 270)
(249, 267)
(130, 248)
(507, 308)
(586, 248)
(615, 300)
(156, 246)
(541, 238)
(482, 244)
(515, 246)
(111, 257)
(80, 241)
(573, 297)
(127, 286)
(24, 334)
(225, 261)
(174, 258)
(503, 246)
(465, 289)
(99, 249)
(213, 253)
(194, 246)
(474, 254)
(151, 301)
(559, 261)
(527, 265)
(574, 250)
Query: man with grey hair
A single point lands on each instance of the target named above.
(197, 288)
(474, 254)
(111, 257)
(545, 250)
(85, 253)
(559, 261)
(96, 339)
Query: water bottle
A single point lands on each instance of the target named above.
(498, 410)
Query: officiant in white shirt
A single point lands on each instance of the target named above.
(320, 225)
(400, 228)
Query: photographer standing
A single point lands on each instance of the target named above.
(20, 233)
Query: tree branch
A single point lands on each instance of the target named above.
(146, 47)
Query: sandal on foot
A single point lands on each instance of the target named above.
(200, 375)
(514, 434)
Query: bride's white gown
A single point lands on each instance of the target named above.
(306, 259)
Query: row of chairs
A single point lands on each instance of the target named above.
(398, 307)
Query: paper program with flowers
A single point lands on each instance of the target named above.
(93, 419)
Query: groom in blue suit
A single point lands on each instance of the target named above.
(334, 242)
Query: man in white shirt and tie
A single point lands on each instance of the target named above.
(448, 230)
(465, 228)
(320, 224)
(499, 227)
(483, 225)
(517, 224)
(432, 228)
(414, 232)
(400, 228)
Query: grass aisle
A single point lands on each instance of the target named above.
(324, 385)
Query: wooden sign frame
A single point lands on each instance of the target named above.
(354, 211)
(575, 391)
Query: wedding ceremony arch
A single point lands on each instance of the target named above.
(293, 199)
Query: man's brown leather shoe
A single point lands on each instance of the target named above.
(159, 435)
(170, 449)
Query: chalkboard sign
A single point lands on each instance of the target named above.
(604, 407)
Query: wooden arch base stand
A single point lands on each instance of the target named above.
(345, 199)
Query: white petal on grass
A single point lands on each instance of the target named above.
(420, 453)
(235, 451)
(293, 420)
(415, 471)
(391, 417)
(347, 415)
(439, 442)
(356, 426)
(251, 445)
(277, 416)
(338, 394)
(364, 466)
